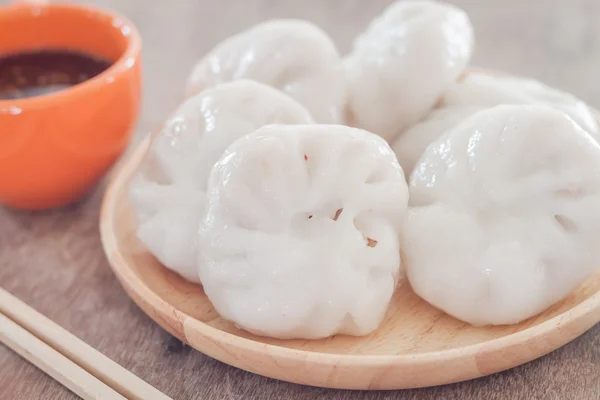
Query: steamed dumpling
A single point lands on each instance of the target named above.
(400, 66)
(411, 144)
(480, 89)
(504, 218)
(168, 192)
(294, 56)
(301, 234)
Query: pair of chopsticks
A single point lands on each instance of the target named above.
(84, 370)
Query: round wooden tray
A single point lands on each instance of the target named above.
(415, 346)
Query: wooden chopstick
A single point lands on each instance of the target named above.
(80, 353)
(53, 363)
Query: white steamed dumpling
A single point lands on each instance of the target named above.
(477, 91)
(484, 89)
(301, 234)
(504, 219)
(168, 191)
(400, 66)
(294, 56)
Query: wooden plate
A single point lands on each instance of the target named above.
(416, 345)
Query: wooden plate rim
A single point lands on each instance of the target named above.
(141, 293)
(119, 266)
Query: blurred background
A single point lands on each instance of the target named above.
(556, 41)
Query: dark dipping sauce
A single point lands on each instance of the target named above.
(36, 73)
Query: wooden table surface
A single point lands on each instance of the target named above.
(54, 261)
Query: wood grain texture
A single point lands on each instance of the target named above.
(54, 261)
(53, 363)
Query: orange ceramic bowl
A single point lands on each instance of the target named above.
(54, 148)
